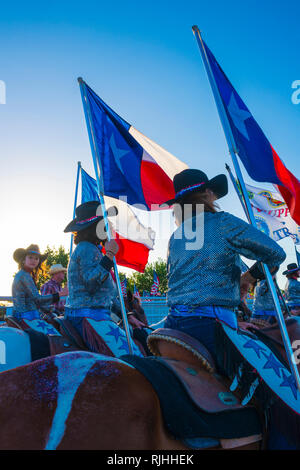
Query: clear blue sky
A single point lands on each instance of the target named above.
(142, 59)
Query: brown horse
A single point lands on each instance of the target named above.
(81, 400)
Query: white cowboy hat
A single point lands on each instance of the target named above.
(56, 268)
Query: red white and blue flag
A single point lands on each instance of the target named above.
(134, 239)
(155, 285)
(132, 165)
(124, 286)
(136, 291)
(256, 152)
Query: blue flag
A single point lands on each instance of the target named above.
(89, 189)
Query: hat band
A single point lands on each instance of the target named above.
(88, 220)
(188, 189)
(34, 252)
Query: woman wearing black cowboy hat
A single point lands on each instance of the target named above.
(91, 288)
(204, 282)
(26, 298)
(292, 288)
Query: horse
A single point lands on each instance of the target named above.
(20, 345)
(82, 400)
(133, 304)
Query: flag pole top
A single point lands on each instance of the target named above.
(195, 29)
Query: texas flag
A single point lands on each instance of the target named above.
(134, 239)
(257, 154)
(132, 165)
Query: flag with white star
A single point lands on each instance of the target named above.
(132, 165)
(257, 154)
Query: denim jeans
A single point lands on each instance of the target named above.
(201, 328)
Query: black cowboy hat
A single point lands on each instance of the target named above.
(20, 253)
(291, 268)
(87, 214)
(189, 181)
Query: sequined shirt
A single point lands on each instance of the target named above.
(89, 281)
(263, 299)
(292, 292)
(210, 275)
(26, 296)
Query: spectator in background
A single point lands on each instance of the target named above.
(292, 288)
(54, 285)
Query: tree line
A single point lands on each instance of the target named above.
(142, 281)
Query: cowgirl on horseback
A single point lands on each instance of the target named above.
(91, 288)
(292, 288)
(204, 282)
(27, 301)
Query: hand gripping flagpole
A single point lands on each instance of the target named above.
(75, 202)
(234, 152)
(98, 172)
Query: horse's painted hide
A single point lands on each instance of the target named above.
(58, 402)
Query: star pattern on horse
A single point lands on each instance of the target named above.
(115, 332)
(124, 345)
(47, 329)
(251, 344)
(289, 381)
(273, 364)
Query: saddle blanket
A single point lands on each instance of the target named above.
(41, 326)
(182, 418)
(267, 365)
(112, 335)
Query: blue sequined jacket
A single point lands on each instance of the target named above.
(89, 281)
(263, 299)
(26, 296)
(292, 292)
(210, 275)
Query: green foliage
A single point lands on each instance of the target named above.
(55, 256)
(144, 281)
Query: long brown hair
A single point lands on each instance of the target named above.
(88, 234)
(200, 201)
(40, 270)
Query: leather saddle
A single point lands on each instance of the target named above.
(194, 366)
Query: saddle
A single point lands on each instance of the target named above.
(194, 366)
(66, 328)
(183, 371)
